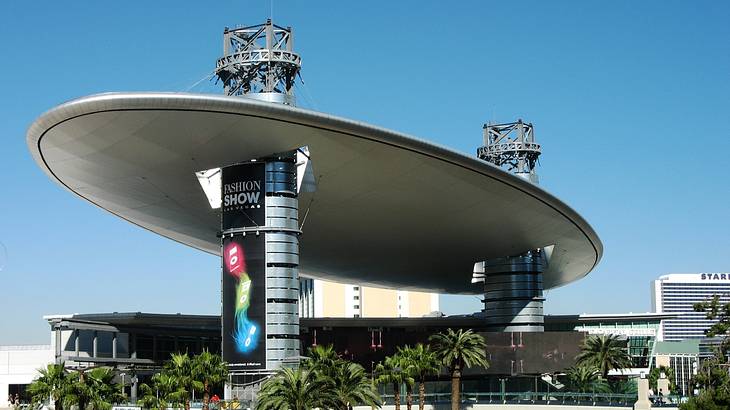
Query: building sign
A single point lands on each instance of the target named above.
(244, 301)
(619, 331)
(715, 276)
(243, 196)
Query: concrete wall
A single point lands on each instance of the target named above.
(20, 364)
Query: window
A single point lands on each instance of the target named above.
(356, 288)
(356, 297)
(357, 306)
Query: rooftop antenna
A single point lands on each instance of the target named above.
(259, 62)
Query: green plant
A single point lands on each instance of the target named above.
(605, 352)
(391, 372)
(712, 376)
(668, 373)
(586, 379)
(420, 362)
(49, 384)
(208, 370)
(163, 393)
(92, 389)
(323, 360)
(351, 386)
(457, 351)
(294, 389)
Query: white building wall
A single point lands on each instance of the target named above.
(677, 293)
(20, 364)
(317, 292)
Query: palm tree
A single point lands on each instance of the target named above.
(294, 389)
(585, 379)
(164, 392)
(420, 362)
(92, 389)
(323, 360)
(49, 384)
(180, 368)
(351, 386)
(459, 350)
(210, 370)
(391, 372)
(606, 352)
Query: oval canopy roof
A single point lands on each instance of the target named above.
(389, 209)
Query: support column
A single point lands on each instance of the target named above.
(77, 344)
(133, 345)
(260, 252)
(513, 293)
(59, 347)
(133, 388)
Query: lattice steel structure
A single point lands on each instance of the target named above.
(511, 146)
(259, 62)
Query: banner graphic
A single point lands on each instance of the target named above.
(244, 301)
(243, 198)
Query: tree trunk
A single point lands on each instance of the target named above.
(396, 395)
(455, 387)
(58, 404)
(409, 396)
(206, 395)
(421, 395)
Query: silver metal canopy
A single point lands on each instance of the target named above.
(389, 209)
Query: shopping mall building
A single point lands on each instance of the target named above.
(136, 345)
(290, 199)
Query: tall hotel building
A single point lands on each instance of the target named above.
(676, 293)
(319, 298)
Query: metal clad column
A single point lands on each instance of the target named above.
(282, 263)
(513, 299)
(260, 252)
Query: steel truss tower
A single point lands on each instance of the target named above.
(513, 289)
(513, 147)
(259, 62)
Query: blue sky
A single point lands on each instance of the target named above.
(630, 101)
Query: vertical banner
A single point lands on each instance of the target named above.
(244, 266)
(244, 301)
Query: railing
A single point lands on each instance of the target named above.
(522, 398)
(562, 399)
